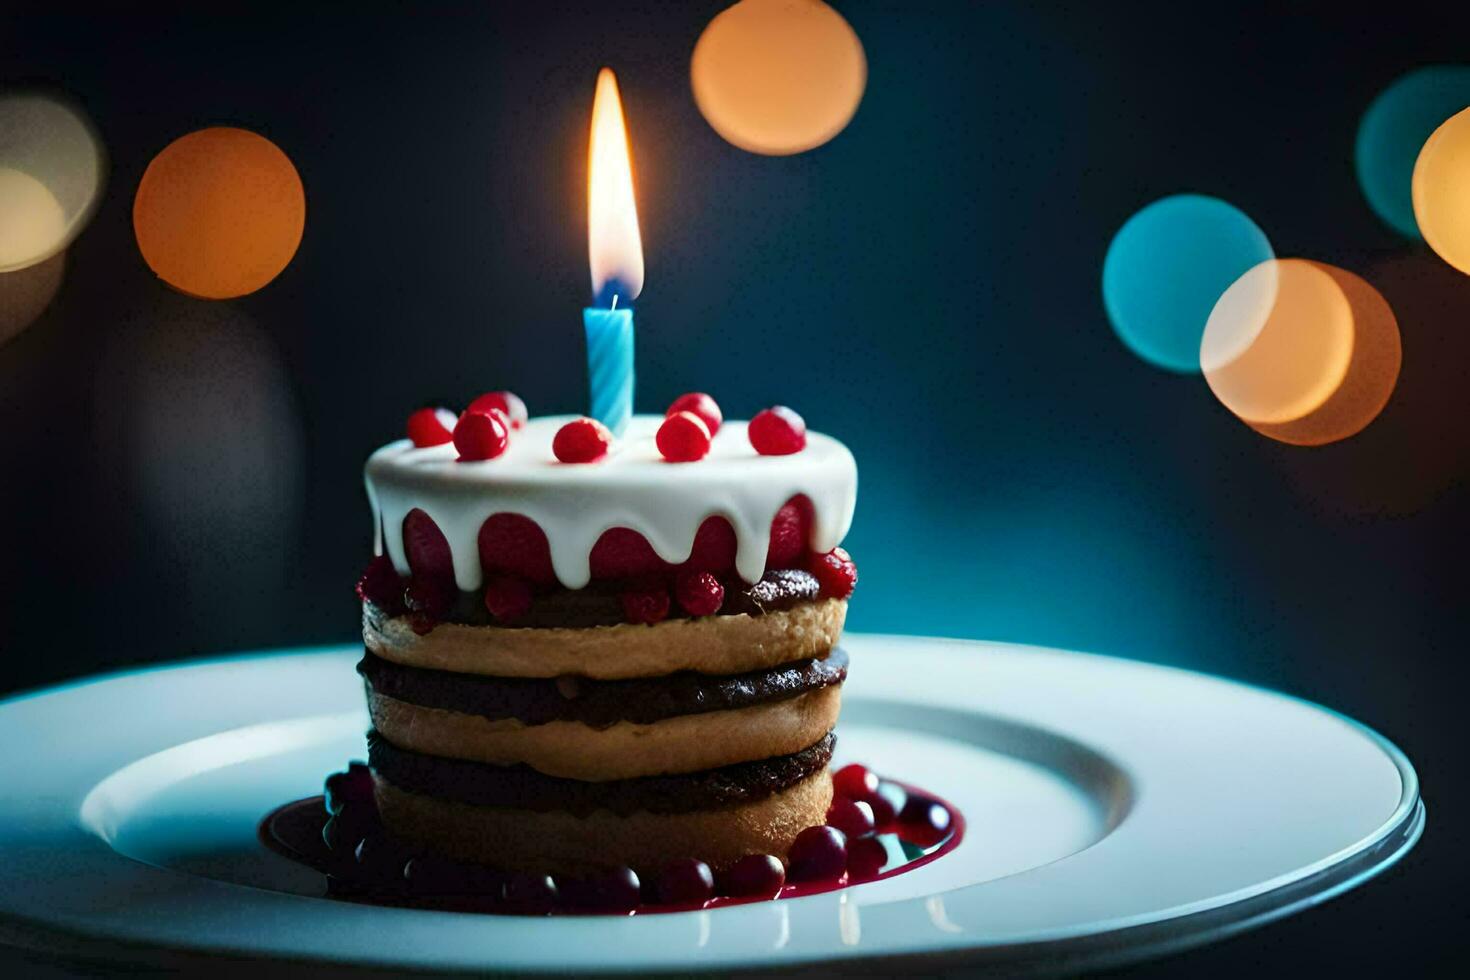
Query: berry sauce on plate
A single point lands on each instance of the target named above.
(876, 828)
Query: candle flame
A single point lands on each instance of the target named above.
(614, 246)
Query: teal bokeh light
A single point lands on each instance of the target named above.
(1393, 131)
(1168, 265)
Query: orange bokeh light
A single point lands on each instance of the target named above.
(1418, 448)
(1313, 365)
(778, 76)
(219, 212)
(1441, 191)
(1371, 376)
(1287, 364)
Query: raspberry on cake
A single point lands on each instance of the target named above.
(572, 668)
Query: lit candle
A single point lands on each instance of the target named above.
(615, 253)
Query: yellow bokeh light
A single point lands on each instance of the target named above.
(1441, 190)
(778, 76)
(52, 169)
(31, 218)
(1290, 363)
(219, 212)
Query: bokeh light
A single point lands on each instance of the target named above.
(1418, 449)
(1166, 267)
(219, 212)
(1372, 371)
(778, 76)
(25, 294)
(1280, 368)
(1442, 191)
(52, 169)
(31, 219)
(1394, 129)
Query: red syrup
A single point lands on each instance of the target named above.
(372, 870)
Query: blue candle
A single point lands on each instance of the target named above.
(610, 365)
(615, 254)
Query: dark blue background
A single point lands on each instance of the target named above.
(925, 287)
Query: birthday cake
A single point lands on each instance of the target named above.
(585, 652)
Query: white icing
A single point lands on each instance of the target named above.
(633, 487)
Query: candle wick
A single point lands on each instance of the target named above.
(614, 302)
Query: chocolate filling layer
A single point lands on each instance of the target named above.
(523, 788)
(598, 704)
(598, 604)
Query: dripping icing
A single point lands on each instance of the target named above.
(631, 487)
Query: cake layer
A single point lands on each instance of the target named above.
(626, 750)
(599, 604)
(558, 842)
(597, 704)
(522, 787)
(709, 645)
(632, 487)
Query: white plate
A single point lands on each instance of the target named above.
(1115, 809)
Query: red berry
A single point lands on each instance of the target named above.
(428, 551)
(480, 435)
(431, 427)
(714, 547)
(507, 599)
(619, 890)
(486, 884)
(698, 403)
(924, 821)
(886, 804)
(835, 573)
(866, 857)
(777, 431)
(428, 601)
(337, 837)
(498, 416)
(352, 821)
(648, 605)
(817, 853)
(622, 552)
(685, 882)
(381, 585)
(354, 785)
(581, 440)
(507, 402)
(429, 874)
(789, 530)
(380, 859)
(699, 593)
(855, 782)
(532, 893)
(513, 544)
(754, 875)
(683, 438)
(853, 817)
